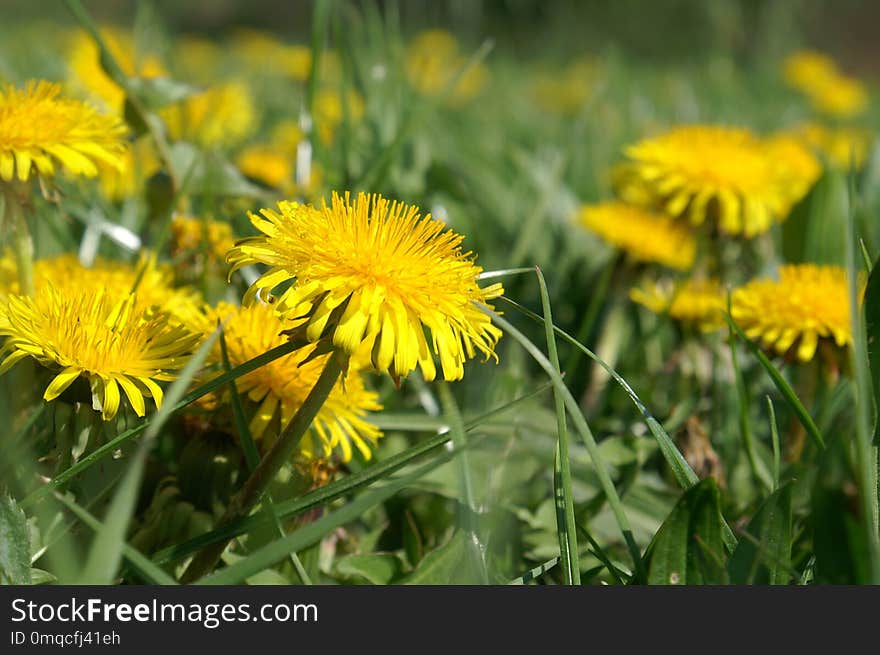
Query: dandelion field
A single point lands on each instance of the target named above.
(438, 293)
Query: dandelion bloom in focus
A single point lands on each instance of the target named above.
(280, 387)
(108, 339)
(373, 275)
(807, 303)
(724, 174)
(642, 234)
(38, 128)
(696, 301)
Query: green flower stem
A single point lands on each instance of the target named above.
(258, 483)
(23, 244)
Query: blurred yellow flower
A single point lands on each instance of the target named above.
(842, 147)
(696, 301)
(109, 339)
(88, 76)
(807, 303)
(265, 52)
(221, 116)
(433, 62)
(829, 90)
(372, 275)
(286, 136)
(281, 386)
(642, 234)
(39, 127)
(567, 91)
(193, 234)
(267, 164)
(139, 163)
(331, 108)
(726, 174)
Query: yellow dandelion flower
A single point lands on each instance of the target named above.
(330, 108)
(797, 167)
(433, 62)
(38, 128)
(90, 78)
(265, 52)
(727, 174)
(803, 68)
(842, 147)
(566, 92)
(98, 335)
(267, 164)
(223, 115)
(642, 234)
(191, 234)
(374, 274)
(281, 386)
(807, 303)
(696, 301)
(139, 163)
(839, 95)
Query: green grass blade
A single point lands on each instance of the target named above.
(105, 553)
(682, 471)
(567, 529)
(535, 573)
(586, 435)
(781, 384)
(312, 533)
(151, 573)
(324, 495)
(774, 438)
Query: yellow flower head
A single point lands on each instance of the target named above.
(107, 338)
(89, 76)
(806, 303)
(373, 274)
(842, 147)
(433, 62)
(696, 301)
(191, 234)
(727, 174)
(220, 116)
(281, 386)
(39, 128)
(642, 234)
(803, 68)
(267, 164)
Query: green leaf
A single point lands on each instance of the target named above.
(15, 547)
(533, 574)
(376, 568)
(209, 174)
(763, 555)
(444, 564)
(158, 92)
(689, 546)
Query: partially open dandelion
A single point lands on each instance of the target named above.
(642, 234)
(697, 301)
(373, 274)
(720, 173)
(808, 303)
(39, 128)
(280, 387)
(106, 338)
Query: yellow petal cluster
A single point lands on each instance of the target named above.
(377, 277)
(697, 301)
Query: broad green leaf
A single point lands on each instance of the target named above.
(444, 565)
(209, 174)
(15, 548)
(376, 568)
(763, 555)
(689, 547)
